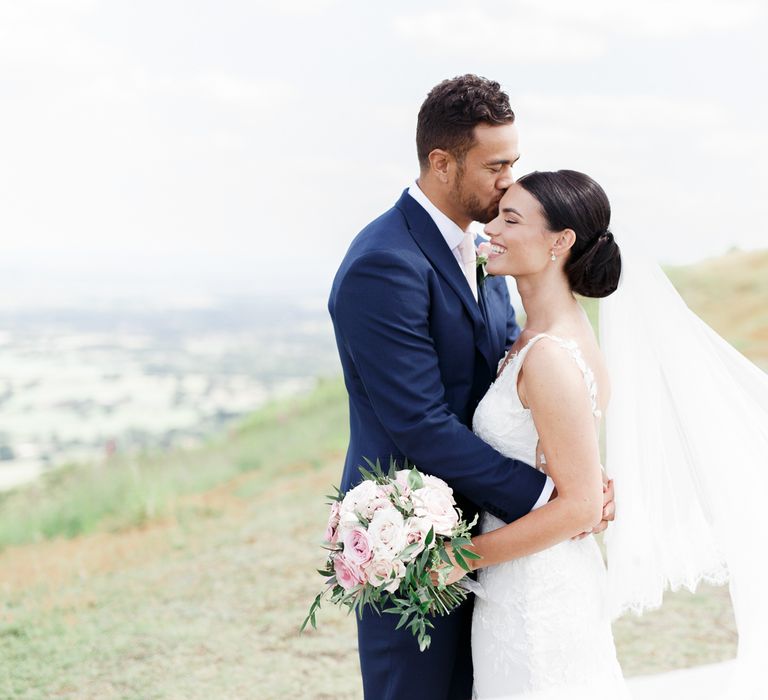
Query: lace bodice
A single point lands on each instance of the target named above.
(503, 422)
(540, 623)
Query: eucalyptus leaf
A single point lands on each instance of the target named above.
(414, 480)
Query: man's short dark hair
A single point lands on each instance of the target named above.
(453, 109)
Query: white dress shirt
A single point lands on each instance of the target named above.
(453, 236)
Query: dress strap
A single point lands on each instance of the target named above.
(572, 348)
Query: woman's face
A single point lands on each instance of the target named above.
(521, 242)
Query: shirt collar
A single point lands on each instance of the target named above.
(450, 231)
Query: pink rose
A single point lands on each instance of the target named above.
(437, 506)
(332, 529)
(484, 250)
(347, 574)
(416, 531)
(357, 548)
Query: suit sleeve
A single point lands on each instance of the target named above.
(381, 312)
(513, 329)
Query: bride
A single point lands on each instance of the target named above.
(684, 447)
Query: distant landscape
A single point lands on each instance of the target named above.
(181, 568)
(78, 384)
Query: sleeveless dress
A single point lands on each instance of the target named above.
(540, 627)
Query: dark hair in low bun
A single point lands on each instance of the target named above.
(570, 199)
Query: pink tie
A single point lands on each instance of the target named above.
(469, 260)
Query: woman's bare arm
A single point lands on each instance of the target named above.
(553, 387)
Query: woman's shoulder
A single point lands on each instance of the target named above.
(559, 364)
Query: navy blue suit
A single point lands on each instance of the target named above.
(418, 353)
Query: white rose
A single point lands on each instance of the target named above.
(398, 574)
(358, 498)
(368, 510)
(387, 533)
(437, 483)
(401, 479)
(380, 571)
(436, 506)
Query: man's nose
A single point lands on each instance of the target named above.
(505, 180)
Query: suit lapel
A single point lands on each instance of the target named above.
(495, 322)
(433, 245)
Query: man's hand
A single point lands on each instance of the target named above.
(609, 511)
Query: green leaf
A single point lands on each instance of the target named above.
(408, 550)
(403, 620)
(338, 496)
(414, 479)
(430, 537)
(469, 554)
(310, 618)
(366, 474)
(423, 559)
(460, 560)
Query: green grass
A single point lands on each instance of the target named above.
(202, 599)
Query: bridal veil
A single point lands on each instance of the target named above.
(687, 447)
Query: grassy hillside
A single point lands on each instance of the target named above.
(186, 575)
(731, 294)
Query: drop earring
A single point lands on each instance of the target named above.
(553, 257)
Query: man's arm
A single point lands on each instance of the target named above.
(513, 328)
(382, 312)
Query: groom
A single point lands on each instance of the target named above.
(420, 335)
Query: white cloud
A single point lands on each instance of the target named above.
(621, 112)
(526, 31)
(297, 8)
(478, 32)
(653, 18)
(241, 90)
(40, 32)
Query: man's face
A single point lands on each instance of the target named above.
(486, 171)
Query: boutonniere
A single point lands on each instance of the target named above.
(483, 251)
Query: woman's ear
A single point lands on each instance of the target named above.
(564, 241)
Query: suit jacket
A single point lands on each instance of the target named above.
(418, 353)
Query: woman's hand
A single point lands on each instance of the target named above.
(449, 573)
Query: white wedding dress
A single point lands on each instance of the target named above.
(541, 626)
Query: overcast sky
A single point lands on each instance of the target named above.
(172, 149)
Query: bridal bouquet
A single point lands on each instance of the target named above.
(385, 537)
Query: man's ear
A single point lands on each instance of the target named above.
(440, 163)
